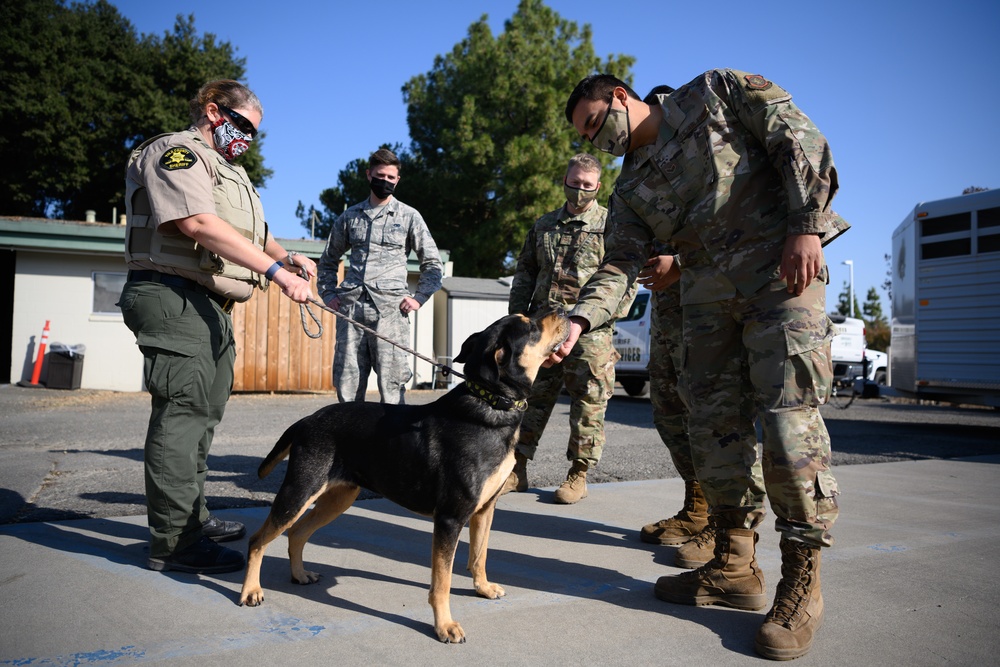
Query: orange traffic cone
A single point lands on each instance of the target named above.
(37, 372)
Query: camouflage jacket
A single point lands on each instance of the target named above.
(379, 251)
(560, 254)
(736, 168)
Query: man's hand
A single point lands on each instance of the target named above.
(660, 272)
(576, 327)
(408, 305)
(801, 261)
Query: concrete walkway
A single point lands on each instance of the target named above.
(911, 581)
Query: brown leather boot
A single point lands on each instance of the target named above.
(517, 480)
(789, 628)
(574, 489)
(698, 550)
(732, 578)
(682, 526)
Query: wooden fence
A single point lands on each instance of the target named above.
(273, 353)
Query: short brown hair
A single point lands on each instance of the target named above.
(383, 156)
(585, 161)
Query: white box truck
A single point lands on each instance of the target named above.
(946, 301)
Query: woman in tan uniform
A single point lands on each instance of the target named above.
(196, 243)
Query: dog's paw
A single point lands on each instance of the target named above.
(450, 633)
(251, 598)
(305, 577)
(490, 590)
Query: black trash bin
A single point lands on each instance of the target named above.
(65, 366)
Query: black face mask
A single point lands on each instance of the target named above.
(382, 188)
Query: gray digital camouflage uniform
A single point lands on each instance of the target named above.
(709, 186)
(380, 241)
(560, 253)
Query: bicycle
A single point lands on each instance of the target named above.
(846, 389)
(844, 392)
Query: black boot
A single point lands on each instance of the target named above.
(216, 529)
(202, 557)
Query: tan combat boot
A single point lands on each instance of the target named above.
(517, 480)
(732, 578)
(698, 550)
(574, 488)
(682, 526)
(789, 628)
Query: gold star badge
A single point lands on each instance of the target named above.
(177, 157)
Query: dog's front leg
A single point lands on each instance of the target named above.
(446, 533)
(479, 537)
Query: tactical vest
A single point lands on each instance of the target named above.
(236, 202)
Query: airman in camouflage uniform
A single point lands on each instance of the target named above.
(561, 251)
(739, 180)
(380, 232)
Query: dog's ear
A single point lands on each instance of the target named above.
(467, 347)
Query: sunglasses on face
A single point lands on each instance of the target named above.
(241, 122)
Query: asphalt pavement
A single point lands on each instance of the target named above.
(911, 579)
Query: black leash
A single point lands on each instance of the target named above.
(498, 401)
(304, 307)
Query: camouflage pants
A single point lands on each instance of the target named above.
(669, 409)
(357, 352)
(666, 389)
(589, 375)
(766, 356)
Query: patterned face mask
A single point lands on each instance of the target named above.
(579, 197)
(229, 141)
(614, 136)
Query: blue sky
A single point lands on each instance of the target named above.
(908, 94)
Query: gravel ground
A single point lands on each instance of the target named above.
(78, 454)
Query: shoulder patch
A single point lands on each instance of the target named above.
(178, 157)
(757, 82)
(758, 90)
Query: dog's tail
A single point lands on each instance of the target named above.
(279, 453)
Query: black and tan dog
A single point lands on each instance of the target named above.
(447, 459)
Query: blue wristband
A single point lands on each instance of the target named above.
(274, 269)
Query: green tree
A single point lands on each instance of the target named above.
(78, 88)
(843, 307)
(877, 331)
(872, 309)
(489, 137)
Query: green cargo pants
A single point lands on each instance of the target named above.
(189, 350)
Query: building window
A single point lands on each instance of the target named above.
(107, 289)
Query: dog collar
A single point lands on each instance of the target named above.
(495, 400)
